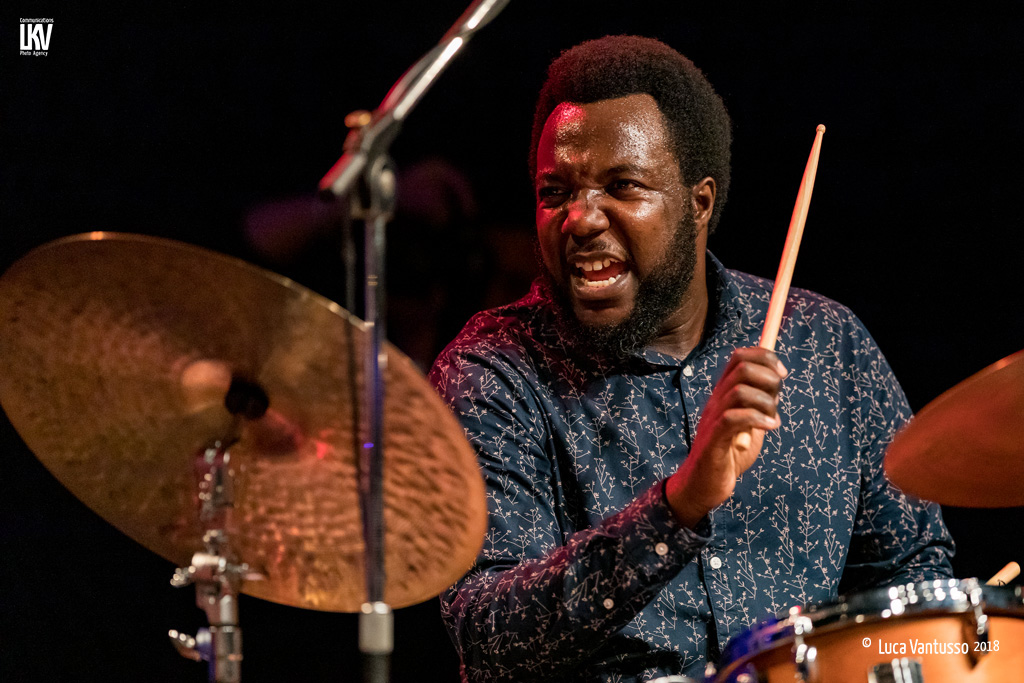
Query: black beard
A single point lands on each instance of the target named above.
(658, 296)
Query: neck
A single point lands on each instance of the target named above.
(683, 330)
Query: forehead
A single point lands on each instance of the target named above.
(624, 130)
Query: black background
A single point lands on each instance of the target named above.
(178, 121)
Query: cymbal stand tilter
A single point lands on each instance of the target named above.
(215, 573)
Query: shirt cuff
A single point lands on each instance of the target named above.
(653, 540)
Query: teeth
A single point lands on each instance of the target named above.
(596, 265)
(601, 283)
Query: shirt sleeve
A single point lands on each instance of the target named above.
(542, 598)
(896, 538)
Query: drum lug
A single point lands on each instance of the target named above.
(976, 625)
(804, 655)
(903, 670)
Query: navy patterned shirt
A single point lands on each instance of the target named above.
(585, 573)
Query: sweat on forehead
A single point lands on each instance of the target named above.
(570, 117)
(622, 131)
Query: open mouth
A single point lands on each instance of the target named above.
(599, 273)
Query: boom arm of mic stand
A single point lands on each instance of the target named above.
(372, 140)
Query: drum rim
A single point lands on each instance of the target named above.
(867, 607)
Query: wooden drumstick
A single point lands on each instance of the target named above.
(780, 293)
(1004, 575)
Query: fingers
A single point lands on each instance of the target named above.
(750, 387)
(752, 359)
(745, 407)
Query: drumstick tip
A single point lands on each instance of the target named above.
(1005, 575)
(821, 128)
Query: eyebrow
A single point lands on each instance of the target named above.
(613, 171)
(628, 168)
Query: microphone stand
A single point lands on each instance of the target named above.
(366, 175)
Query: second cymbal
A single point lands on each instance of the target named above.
(966, 447)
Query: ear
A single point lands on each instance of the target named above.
(703, 194)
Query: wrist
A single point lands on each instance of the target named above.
(688, 508)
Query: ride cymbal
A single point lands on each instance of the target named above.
(966, 447)
(117, 355)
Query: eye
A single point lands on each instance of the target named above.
(551, 195)
(623, 185)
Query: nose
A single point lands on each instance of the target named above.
(586, 215)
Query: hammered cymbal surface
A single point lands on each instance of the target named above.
(966, 448)
(116, 352)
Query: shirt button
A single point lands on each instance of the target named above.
(688, 371)
(661, 549)
(716, 563)
(609, 603)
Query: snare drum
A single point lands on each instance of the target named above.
(936, 632)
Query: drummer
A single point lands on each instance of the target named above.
(629, 537)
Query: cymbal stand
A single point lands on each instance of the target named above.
(214, 572)
(366, 176)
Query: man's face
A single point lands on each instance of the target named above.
(614, 220)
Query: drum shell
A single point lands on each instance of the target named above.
(850, 640)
